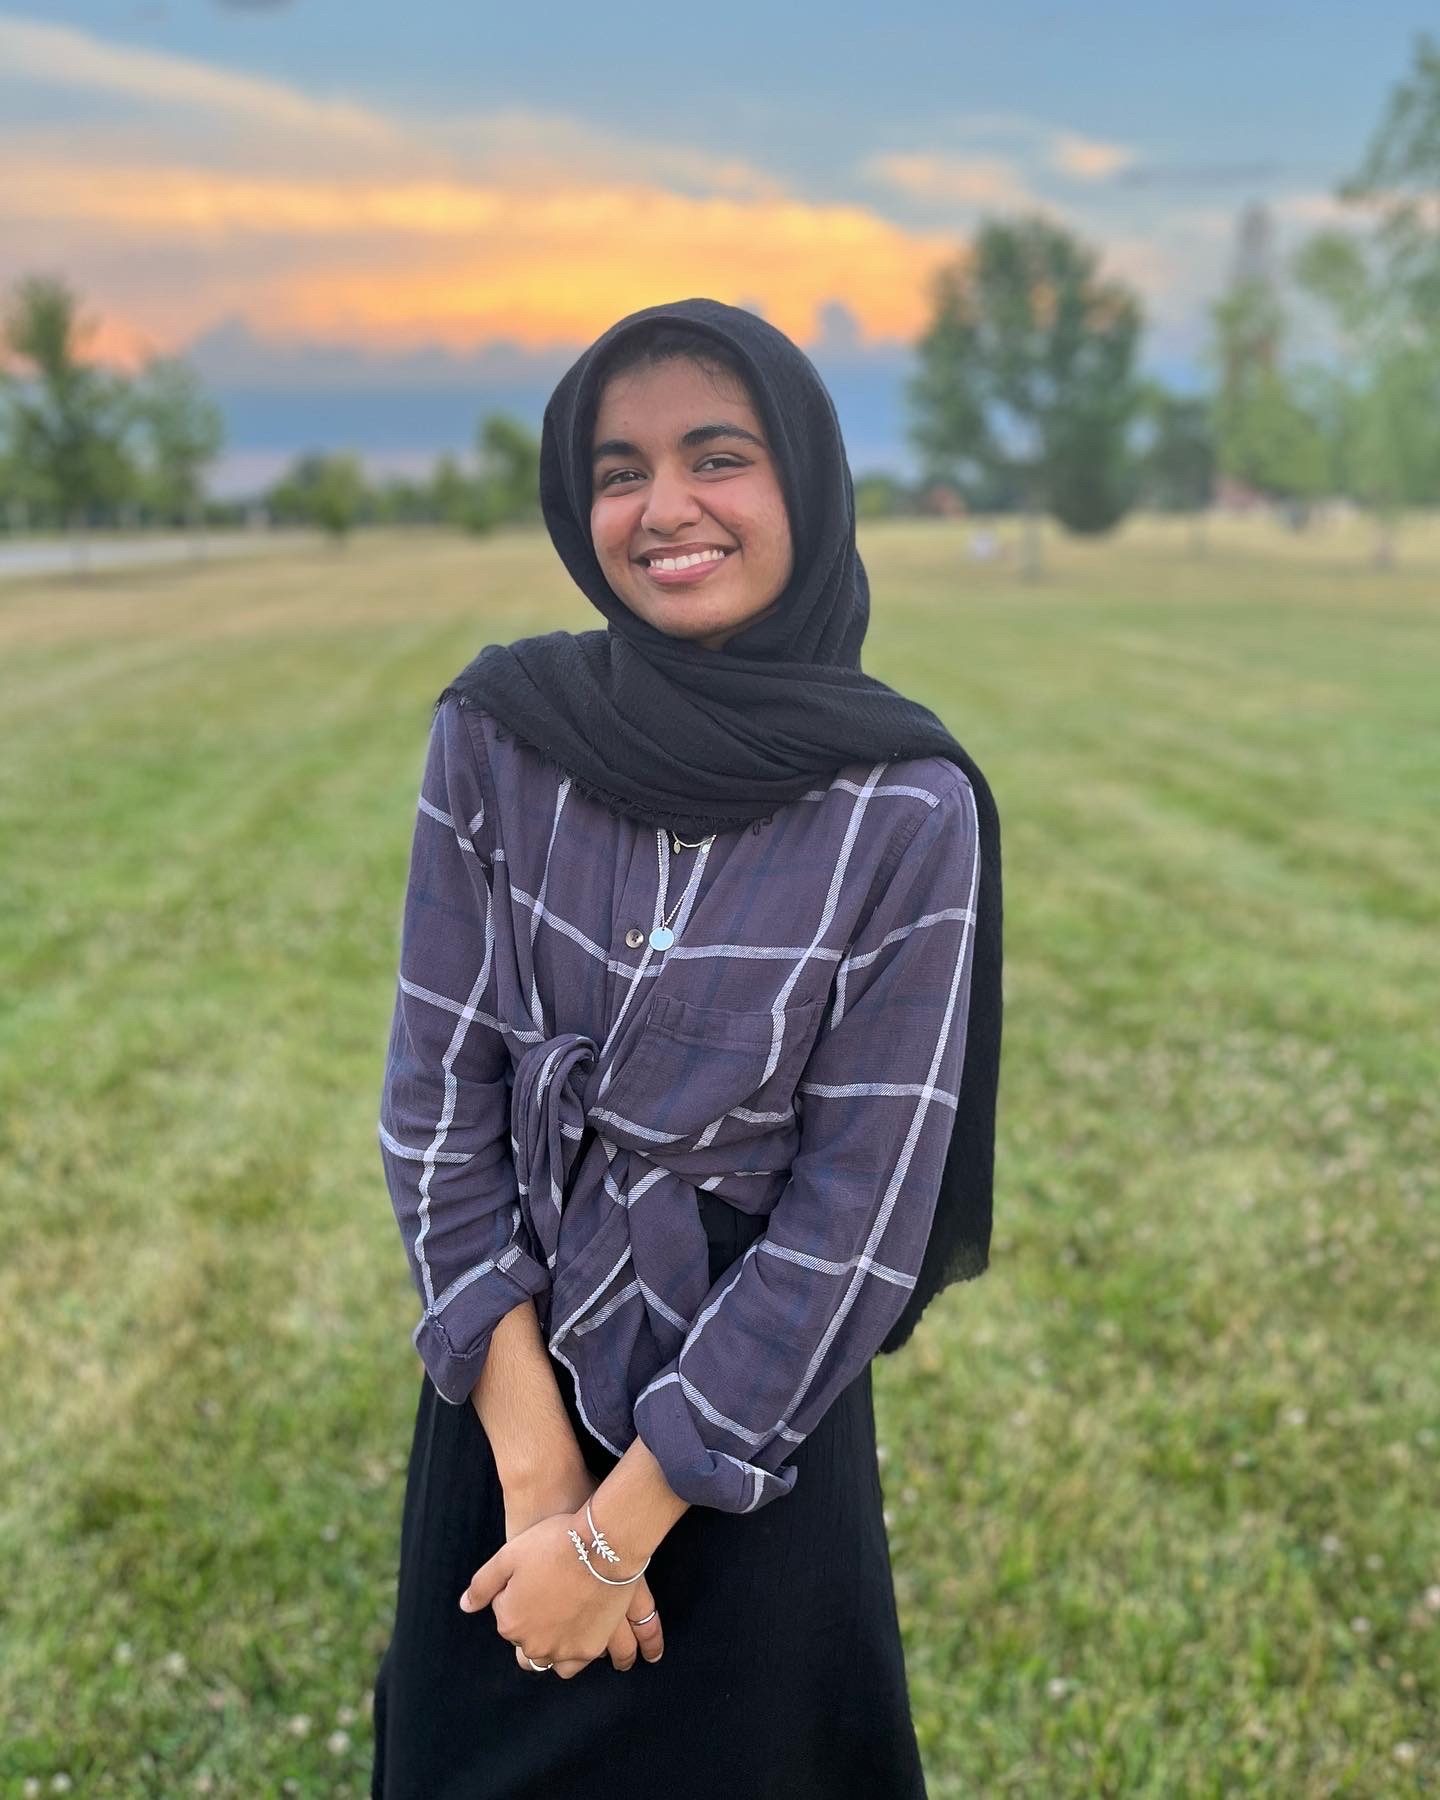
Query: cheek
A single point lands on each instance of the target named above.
(778, 534)
(603, 534)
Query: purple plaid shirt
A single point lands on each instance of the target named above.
(796, 1053)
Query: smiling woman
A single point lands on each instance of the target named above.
(688, 516)
(688, 1111)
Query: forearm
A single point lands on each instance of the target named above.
(635, 1506)
(518, 1402)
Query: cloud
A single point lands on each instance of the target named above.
(449, 260)
(318, 218)
(984, 181)
(1087, 159)
(59, 57)
(996, 161)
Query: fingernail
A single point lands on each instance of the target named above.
(465, 1601)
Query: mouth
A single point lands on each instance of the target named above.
(689, 576)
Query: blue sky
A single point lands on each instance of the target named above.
(388, 211)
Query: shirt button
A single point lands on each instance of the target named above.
(634, 937)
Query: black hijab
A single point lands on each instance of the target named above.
(667, 732)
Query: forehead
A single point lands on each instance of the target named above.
(661, 399)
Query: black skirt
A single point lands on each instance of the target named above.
(782, 1675)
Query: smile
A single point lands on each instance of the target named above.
(691, 571)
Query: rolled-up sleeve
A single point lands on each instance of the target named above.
(444, 1108)
(784, 1332)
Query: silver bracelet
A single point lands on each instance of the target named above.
(598, 1543)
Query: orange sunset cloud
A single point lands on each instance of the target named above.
(480, 261)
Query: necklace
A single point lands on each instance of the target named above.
(662, 937)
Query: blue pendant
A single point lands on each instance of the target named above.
(661, 938)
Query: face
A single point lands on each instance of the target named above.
(682, 466)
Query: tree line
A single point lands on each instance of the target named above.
(82, 445)
(1025, 397)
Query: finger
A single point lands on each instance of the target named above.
(648, 1635)
(524, 1662)
(487, 1581)
(622, 1646)
(571, 1667)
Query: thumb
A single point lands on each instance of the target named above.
(487, 1581)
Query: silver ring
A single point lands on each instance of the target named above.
(648, 1617)
(540, 1668)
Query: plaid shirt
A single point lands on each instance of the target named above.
(796, 1052)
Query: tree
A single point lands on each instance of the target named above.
(1397, 181)
(182, 431)
(1381, 293)
(879, 495)
(1390, 391)
(452, 497)
(1026, 376)
(66, 419)
(1178, 459)
(508, 491)
(1265, 438)
(326, 491)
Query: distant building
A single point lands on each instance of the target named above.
(1234, 496)
(943, 501)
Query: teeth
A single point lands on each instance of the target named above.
(686, 562)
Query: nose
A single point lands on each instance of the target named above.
(671, 504)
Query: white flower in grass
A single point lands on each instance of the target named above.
(124, 1654)
(31, 1789)
(338, 1742)
(1374, 1560)
(1432, 1597)
(1295, 1415)
(175, 1663)
(1404, 1753)
(345, 1715)
(61, 1784)
(299, 1726)
(1058, 1686)
(203, 1783)
(1360, 1625)
(1330, 1544)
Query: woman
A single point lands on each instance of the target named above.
(701, 935)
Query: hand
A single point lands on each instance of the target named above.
(565, 1490)
(553, 1609)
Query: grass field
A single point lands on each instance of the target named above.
(1162, 1485)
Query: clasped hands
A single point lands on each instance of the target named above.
(549, 1605)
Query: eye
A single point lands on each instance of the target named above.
(720, 459)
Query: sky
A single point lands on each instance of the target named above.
(364, 222)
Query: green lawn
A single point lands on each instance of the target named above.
(1163, 1484)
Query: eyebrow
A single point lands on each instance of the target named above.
(698, 434)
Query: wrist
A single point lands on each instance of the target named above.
(635, 1507)
(615, 1561)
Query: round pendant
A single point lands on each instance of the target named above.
(661, 938)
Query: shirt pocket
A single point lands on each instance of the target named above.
(696, 1066)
